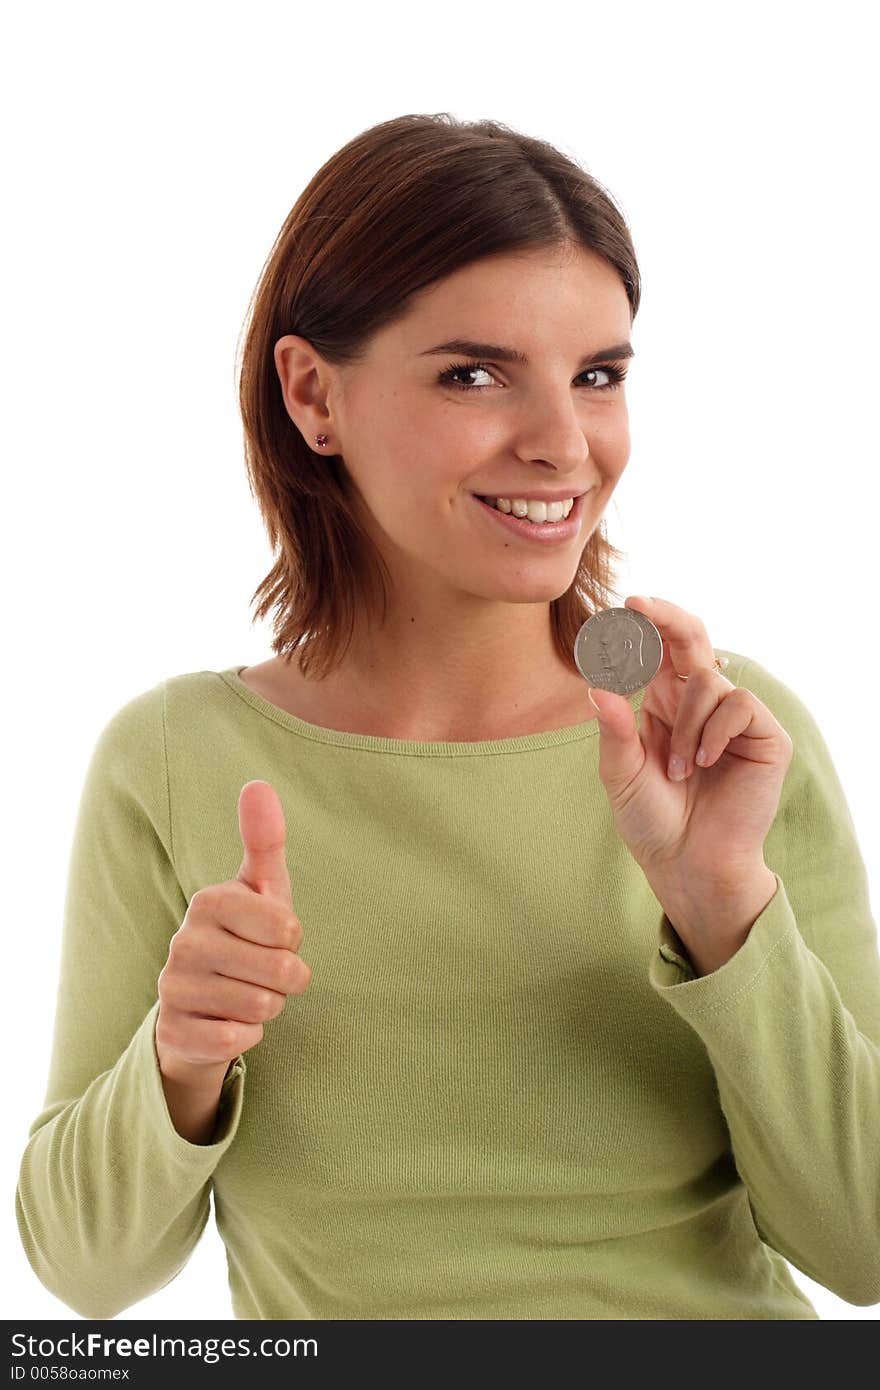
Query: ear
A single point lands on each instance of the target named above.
(307, 382)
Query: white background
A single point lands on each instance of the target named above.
(152, 155)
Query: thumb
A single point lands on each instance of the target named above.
(263, 833)
(621, 752)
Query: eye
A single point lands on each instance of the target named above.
(614, 374)
(446, 377)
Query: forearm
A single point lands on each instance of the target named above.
(796, 1058)
(111, 1198)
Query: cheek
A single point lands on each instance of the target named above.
(406, 494)
(610, 448)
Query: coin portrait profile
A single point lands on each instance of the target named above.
(618, 649)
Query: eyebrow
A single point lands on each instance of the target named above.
(466, 348)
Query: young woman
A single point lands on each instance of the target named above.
(574, 1033)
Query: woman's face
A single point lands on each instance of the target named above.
(421, 442)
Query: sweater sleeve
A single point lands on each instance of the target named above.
(791, 1024)
(111, 1199)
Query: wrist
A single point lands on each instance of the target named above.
(197, 1077)
(713, 917)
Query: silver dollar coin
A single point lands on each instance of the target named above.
(618, 649)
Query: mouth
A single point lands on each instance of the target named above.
(564, 530)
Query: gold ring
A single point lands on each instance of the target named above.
(718, 665)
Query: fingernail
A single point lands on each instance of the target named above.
(676, 768)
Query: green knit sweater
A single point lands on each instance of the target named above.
(505, 1094)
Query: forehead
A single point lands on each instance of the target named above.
(521, 295)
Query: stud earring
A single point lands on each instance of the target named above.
(321, 438)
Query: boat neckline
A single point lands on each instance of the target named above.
(375, 743)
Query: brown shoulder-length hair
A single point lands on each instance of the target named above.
(403, 204)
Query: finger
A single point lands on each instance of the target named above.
(263, 832)
(621, 751)
(253, 916)
(703, 694)
(229, 998)
(745, 725)
(686, 645)
(279, 969)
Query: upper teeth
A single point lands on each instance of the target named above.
(535, 511)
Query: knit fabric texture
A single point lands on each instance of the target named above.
(505, 1093)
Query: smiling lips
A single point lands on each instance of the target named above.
(535, 528)
(535, 509)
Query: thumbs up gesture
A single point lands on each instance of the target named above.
(233, 961)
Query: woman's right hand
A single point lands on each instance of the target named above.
(233, 961)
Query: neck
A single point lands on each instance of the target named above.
(493, 667)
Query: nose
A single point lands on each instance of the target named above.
(553, 434)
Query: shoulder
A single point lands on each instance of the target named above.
(812, 780)
(137, 730)
(133, 727)
(781, 699)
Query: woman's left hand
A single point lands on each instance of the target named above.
(706, 833)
